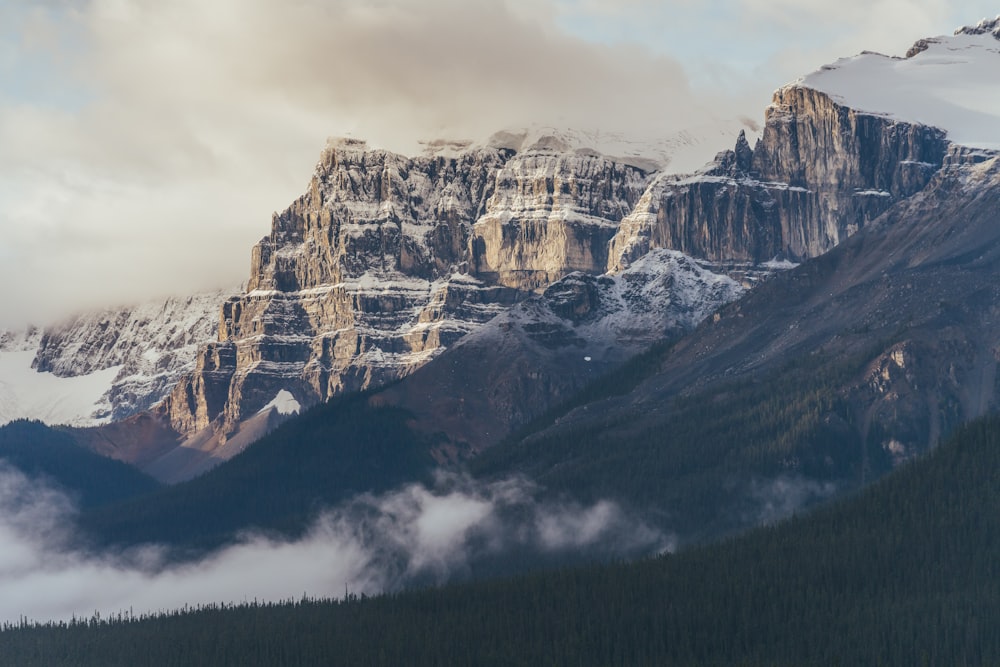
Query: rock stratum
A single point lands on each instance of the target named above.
(387, 260)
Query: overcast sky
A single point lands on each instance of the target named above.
(144, 144)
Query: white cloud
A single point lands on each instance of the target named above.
(370, 544)
(187, 123)
(779, 498)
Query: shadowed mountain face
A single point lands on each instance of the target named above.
(918, 288)
(817, 381)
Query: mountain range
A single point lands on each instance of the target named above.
(706, 351)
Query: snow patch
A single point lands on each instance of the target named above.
(951, 84)
(663, 292)
(26, 394)
(105, 364)
(778, 265)
(284, 403)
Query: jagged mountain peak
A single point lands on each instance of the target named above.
(986, 26)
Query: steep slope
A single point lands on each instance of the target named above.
(816, 382)
(920, 282)
(104, 365)
(52, 457)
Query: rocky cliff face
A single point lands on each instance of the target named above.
(386, 260)
(549, 346)
(820, 172)
(840, 147)
(552, 212)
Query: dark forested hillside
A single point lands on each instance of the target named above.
(330, 453)
(49, 454)
(706, 459)
(905, 573)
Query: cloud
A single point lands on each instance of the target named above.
(179, 127)
(371, 544)
(779, 498)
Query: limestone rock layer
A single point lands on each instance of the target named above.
(819, 173)
(386, 260)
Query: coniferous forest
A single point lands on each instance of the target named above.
(906, 572)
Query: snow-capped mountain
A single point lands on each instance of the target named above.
(104, 365)
(839, 147)
(387, 260)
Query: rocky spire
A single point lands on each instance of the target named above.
(744, 154)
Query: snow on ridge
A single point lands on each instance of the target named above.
(949, 82)
(663, 291)
(991, 26)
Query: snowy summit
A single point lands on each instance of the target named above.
(949, 82)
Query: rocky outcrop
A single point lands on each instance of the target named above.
(387, 260)
(984, 27)
(820, 172)
(552, 212)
